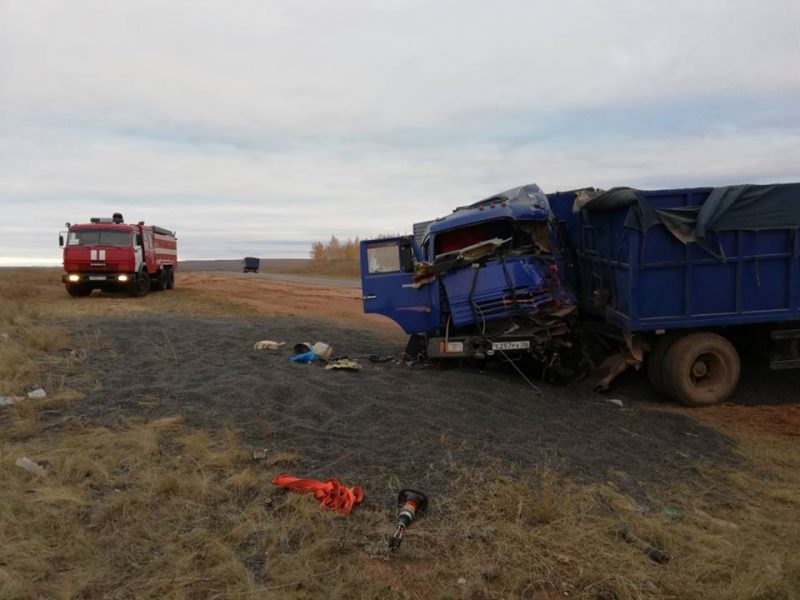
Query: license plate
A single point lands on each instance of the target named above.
(97, 277)
(521, 345)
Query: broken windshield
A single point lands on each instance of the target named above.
(525, 236)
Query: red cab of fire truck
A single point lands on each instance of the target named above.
(111, 255)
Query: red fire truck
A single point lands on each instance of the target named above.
(110, 255)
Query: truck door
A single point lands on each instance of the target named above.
(387, 284)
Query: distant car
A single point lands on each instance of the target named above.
(251, 264)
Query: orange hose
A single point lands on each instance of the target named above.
(330, 493)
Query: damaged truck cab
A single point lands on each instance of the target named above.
(486, 280)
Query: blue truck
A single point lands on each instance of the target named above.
(668, 280)
(250, 264)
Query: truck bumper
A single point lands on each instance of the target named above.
(100, 280)
(478, 346)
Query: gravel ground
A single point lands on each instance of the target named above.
(389, 425)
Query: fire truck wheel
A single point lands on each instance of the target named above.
(78, 291)
(160, 282)
(701, 368)
(141, 285)
(170, 279)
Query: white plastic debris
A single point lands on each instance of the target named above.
(259, 454)
(462, 581)
(268, 345)
(37, 394)
(322, 350)
(615, 402)
(31, 466)
(9, 400)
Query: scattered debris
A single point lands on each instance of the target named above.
(323, 350)
(331, 493)
(655, 554)
(302, 348)
(721, 523)
(37, 394)
(409, 503)
(671, 514)
(267, 345)
(305, 357)
(259, 454)
(9, 400)
(4, 336)
(31, 466)
(379, 359)
(462, 581)
(344, 363)
(615, 402)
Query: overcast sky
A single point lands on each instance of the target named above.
(256, 127)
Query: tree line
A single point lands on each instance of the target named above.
(335, 249)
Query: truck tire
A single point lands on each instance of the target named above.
(140, 285)
(170, 279)
(160, 282)
(701, 369)
(655, 363)
(79, 290)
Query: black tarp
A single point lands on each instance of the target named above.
(746, 207)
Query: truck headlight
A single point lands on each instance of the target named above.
(454, 347)
(122, 277)
(74, 277)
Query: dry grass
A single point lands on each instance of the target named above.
(338, 269)
(156, 509)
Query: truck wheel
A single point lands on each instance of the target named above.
(170, 279)
(79, 290)
(140, 285)
(160, 282)
(655, 363)
(701, 369)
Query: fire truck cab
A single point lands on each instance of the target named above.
(111, 255)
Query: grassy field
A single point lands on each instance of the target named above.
(342, 269)
(155, 508)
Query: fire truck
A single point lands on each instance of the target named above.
(111, 255)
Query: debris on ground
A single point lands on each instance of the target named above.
(259, 454)
(323, 350)
(409, 504)
(615, 402)
(4, 336)
(345, 364)
(376, 358)
(721, 523)
(268, 345)
(655, 554)
(31, 466)
(671, 514)
(305, 357)
(37, 394)
(331, 494)
(302, 348)
(9, 400)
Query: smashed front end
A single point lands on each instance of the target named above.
(500, 273)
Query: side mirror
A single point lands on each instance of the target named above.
(138, 239)
(406, 259)
(60, 240)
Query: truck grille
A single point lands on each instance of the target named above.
(501, 306)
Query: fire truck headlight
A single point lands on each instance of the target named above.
(122, 277)
(74, 277)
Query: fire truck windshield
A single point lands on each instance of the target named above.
(99, 237)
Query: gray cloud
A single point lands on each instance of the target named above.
(272, 124)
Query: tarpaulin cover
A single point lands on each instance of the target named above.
(746, 207)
